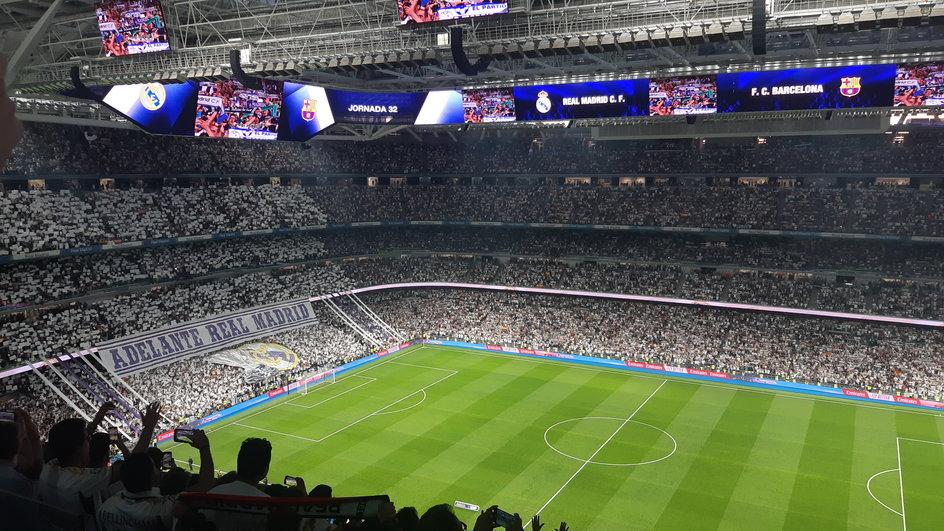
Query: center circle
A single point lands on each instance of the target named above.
(580, 439)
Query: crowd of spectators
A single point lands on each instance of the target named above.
(889, 358)
(54, 331)
(65, 327)
(196, 387)
(54, 149)
(48, 280)
(42, 220)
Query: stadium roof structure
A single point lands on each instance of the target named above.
(360, 43)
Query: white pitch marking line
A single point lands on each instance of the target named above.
(901, 484)
(406, 408)
(290, 402)
(551, 446)
(730, 387)
(921, 441)
(387, 406)
(378, 412)
(584, 465)
(273, 406)
(275, 432)
(420, 366)
(868, 486)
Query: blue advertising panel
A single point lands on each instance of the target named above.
(605, 99)
(156, 108)
(919, 84)
(375, 107)
(305, 112)
(839, 87)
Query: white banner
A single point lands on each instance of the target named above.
(145, 351)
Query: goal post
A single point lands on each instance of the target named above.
(314, 381)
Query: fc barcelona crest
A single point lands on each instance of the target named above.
(308, 110)
(850, 86)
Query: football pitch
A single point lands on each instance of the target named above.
(603, 449)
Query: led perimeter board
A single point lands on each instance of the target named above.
(606, 99)
(839, 87)
(131, 27)
(420, 11)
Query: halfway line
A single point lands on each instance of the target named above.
(630, 417)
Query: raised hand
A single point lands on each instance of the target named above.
(152, 414)
(536, 524)
(563, 527)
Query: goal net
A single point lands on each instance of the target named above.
(314, 381)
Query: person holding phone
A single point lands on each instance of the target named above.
(140, 506)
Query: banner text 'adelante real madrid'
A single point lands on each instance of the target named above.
(145, 351)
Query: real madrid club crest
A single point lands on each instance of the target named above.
(543, 104)
(270, 354)
(152, 96)
(308, 110)
(850, 86)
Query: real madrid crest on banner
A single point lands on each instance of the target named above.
(152, 96)
(850, 86)
(308, 110)
(271, 354)
(543, 104)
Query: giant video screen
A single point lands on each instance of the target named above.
(839, 87)
(919, 84)
(420, 11)
(606, 99)
(488, 105)
(305, 112)
(131, 27)
(227, 109)
(156, 108)
(375, 107)
(683, 95)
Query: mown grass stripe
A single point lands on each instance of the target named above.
(705, 491)
(820, 497)
(636, 497)
(760, 499)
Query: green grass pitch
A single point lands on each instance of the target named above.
(603, 449)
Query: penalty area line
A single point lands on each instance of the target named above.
(607, 441)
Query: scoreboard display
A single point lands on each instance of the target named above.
(296, 112)
(582, 100)
(841, 87)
